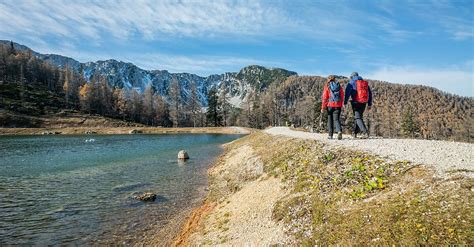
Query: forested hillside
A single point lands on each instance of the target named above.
(30, 86)
(399, 110)
(123, 91)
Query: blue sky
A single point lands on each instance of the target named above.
(417, 42)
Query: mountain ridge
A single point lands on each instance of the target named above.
(128, 75)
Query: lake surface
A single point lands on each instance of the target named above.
(74, 190)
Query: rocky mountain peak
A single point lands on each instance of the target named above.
(128, 76)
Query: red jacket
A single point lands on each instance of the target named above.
(325, 98)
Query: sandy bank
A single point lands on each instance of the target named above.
(239, 207)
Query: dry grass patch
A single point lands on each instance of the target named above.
(347, 197)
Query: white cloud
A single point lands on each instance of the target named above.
(453, 18)
(219, 19)
(201, 65)
(333, 21)
(148, 19)
(457, 79)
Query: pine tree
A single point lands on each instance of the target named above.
(22, 82)
(162, 115)
(3, 64)
(149, 105)
(409, 126)
(213, 115)
(175, 96)
(224, 104)
(254, 111)
(104, 99)
(12, 48)
(136, 105)
(270, 100)
(195, 104)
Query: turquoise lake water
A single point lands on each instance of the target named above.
(72, 190)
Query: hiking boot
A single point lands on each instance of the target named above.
(354, 135)
(364, 136)
(339, 136)
(329, 137)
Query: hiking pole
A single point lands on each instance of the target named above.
(368, 122)
(320, 123)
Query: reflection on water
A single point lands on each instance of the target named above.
(69, 189)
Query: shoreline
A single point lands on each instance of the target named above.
(196, 216)
(122, 130)
(186, 222)
(193, 220)
(238, 207)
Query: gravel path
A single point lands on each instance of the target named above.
(441, 155)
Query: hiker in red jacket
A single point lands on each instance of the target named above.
(359, 91)
(332, 100)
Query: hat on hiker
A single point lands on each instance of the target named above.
(354, 74)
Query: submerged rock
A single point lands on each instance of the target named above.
(146, 197)
(183, 155)
(130, 186)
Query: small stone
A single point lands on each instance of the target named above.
(183, 155)
(146, 197)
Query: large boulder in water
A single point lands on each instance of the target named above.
(146, 197)
(183, 155)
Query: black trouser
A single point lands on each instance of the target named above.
(358, 110)
(334, 115)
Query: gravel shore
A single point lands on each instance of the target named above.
(443, 156)
(242, 217)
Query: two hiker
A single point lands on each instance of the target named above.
(334, 99)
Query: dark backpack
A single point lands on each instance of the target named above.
(334, 91)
